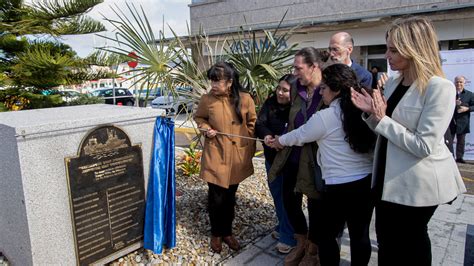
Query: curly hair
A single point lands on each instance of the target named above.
(341, 78)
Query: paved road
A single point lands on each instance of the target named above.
(467, 172)
(447, 231)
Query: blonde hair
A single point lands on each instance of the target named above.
(416, 40)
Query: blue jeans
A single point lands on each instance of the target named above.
(284, 227)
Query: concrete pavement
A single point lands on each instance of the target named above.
(447, 230)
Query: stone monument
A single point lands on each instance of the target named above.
(62, 179)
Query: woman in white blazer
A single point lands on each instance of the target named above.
(414, 171)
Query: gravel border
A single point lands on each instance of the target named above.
(254, 218)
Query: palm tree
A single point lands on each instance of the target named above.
(261, 62)
(169, 63)
(137, 36)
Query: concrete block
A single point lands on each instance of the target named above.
(466, 216)
(263, 260)
(440, 232)
(438, 254)
(455, 252)
(446, 215)
(246, 256)
(459, 232)
(266, 242)
(36, 222)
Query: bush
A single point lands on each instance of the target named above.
(3, 108)
(190, 162)
(86, 99)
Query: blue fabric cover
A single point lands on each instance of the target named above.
(160, 211)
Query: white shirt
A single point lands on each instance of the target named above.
(336, 158)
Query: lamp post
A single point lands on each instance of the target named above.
(133, 64)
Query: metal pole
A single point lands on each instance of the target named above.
(113, 87)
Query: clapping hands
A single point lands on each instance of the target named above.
(374, 104)
(273, 142)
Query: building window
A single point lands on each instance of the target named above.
(461, 44)
(376, 49)
(376, 57)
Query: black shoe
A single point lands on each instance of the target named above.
(460, 160)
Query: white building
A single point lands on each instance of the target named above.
(319, 19)
(124, 80)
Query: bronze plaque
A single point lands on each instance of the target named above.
(107, 194)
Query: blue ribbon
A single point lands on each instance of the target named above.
(160, 210)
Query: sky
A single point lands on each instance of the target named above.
(174, 12)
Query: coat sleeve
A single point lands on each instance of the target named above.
(251, 116)
(471, 102)
(261, 126)
(366, 80)
(432, 123)
(201, 116)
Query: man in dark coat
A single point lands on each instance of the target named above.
(462, 116)
(340, 48)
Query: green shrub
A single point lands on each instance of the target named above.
(3, 108)
(86, 99)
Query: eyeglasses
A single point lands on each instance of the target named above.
(334, 49)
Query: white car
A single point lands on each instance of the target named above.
(173, 104)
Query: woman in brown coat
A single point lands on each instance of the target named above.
(226, 160)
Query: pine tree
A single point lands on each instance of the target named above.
(43, 63)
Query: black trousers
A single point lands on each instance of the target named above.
(449, 140)
(292, 200)
(315, 214)
(460, 143)
(221, 204)
(402, 234)
(349, 203)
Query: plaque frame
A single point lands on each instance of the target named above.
(68, 160)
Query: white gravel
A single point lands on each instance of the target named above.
(255, 217)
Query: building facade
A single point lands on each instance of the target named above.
(317, 20)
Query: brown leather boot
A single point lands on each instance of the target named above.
(295, 256)
(216, 244)
(232, 242)
(311, 255)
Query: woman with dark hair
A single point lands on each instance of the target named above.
(297, 164)
(226, 160)
(272, 120)
(345, 155)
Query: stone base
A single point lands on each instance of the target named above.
(35, 215)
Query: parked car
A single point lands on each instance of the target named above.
(152, 94)
(173, 104)
(69, 95)
(122, 96)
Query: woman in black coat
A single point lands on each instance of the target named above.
(272, 120)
